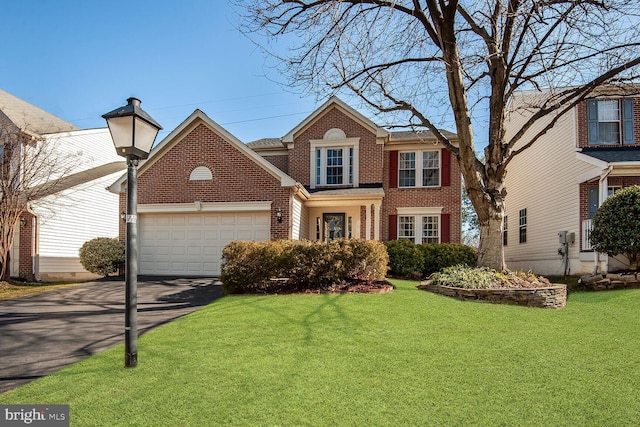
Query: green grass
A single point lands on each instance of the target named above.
(405, 358)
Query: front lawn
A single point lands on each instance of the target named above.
(405, 358)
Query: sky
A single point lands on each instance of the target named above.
(79, 59)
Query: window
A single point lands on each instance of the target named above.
(429, 232)
(430, 229)
(504, 230)
(407, 170)
(426, 176)
(523, 226)
(406, 228)
(610, 121)
(334, 166)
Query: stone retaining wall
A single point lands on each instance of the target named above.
(600, 282)
(554, 296)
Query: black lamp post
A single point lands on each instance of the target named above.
(133, 132)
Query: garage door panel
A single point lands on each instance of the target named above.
(191, 244)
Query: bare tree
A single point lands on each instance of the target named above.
(417, 60)
(31, 168)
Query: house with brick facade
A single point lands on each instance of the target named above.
(334, 175)
(555, 186)
(75, 208)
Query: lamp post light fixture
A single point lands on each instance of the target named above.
(133, 132)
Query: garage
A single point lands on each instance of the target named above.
(191, 244)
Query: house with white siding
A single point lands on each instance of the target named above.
(555, 186)
(48, 237)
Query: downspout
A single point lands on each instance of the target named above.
(603, 193)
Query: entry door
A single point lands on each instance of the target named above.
(333, 226)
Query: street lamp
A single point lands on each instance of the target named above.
(133, 132)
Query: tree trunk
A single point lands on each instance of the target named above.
(490, 250)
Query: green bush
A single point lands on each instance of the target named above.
(437, 256)
(278, 266)
(463, 276)
(102, 255)
(616, 225)
(405, 258)
(410, 260)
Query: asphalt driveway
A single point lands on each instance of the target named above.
(44, 332)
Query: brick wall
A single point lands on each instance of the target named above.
(583, 126)
(280, 161)
(27, 249)
(448, 197)
(370, 161)
(236, 178)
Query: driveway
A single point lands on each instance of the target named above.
(41, 333)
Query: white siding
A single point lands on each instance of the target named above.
(296, 218)
(544, 180)
(73, 216)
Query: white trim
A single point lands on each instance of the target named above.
(199, 206)
(418, 214)
(324, 144)
(432, 210)
(334, 100)
(419, 167)
(376, 221)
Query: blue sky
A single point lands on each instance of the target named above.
(80, 59)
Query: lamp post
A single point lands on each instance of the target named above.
(133, 132)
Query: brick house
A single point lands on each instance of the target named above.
(556, 186)
(336, 174)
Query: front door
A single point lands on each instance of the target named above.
(333, 226)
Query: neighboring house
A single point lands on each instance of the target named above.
(336, 174)
(555, 187)
(77, 208)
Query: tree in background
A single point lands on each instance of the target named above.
(419, 61)
(30, 170)
(616, 226)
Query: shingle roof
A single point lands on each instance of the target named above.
(422, 134)
(614, 155)
(266, 143)
(30, 118)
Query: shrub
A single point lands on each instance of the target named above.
(405, 258)
(437, 256)
(616, 225)
(463, 276)
(251, 267)
(102, 255)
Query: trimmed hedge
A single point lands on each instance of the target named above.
(285, 265)
(407, 259)
(102, 255)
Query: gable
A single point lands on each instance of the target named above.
(235, 176)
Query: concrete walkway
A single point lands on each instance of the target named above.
(41, 333)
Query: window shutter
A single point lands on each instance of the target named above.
(393, 169)
(393, 226)
(627, 121)
(592, 118)
(445, 167)
(445, 231)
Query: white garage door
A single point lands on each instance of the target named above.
(191, 244)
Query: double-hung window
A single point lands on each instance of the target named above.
(334, 166)
(610, 121)
(428, 228)
(334, 160)
(419, 169)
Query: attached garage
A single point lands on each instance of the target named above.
(191, 244)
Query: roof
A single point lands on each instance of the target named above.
(266, 143)
(614, 155)
(30, 118)
(419, 134)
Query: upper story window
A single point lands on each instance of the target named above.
(610, 121)
(334, 160)
(419, 169)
